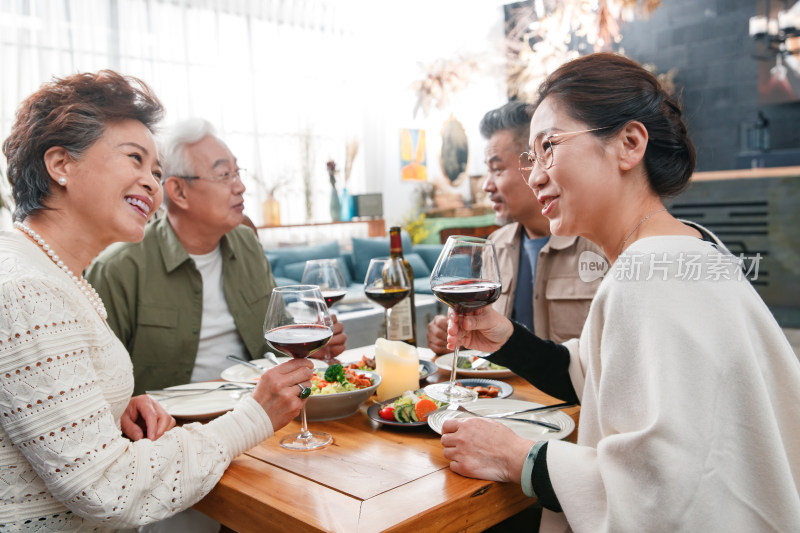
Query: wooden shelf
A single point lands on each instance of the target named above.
(318, 232)
(376, 226)
(748, 173)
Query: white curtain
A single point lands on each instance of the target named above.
(273, 76)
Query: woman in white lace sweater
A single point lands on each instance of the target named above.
(77, 453)
(689, 390)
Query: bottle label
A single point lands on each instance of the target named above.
(400, 325)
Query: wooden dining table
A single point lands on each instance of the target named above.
(373, 477)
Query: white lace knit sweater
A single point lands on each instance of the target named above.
(65, 380)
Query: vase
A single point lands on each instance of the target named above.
(271, 211)
(336, 206)
(347, 202)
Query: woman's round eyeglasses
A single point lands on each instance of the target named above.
(542, 151)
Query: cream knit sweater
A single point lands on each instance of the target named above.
(690, 402)
(65, 380)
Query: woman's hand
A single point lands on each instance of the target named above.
(145, 414)
(335, 346)
(277, 390)
(437, 335)
(484, 449)
(484, 329)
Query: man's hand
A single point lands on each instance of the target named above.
(437, 335)
(335, 346)
(145, 414)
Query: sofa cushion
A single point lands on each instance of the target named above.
(295, 270)
(421, 270)
(365, 249)
(279, 258)
(422, 286)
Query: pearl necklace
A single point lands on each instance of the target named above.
(85, 287)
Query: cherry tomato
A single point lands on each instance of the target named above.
(387, 413)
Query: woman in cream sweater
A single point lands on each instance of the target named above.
(689, 390)
(77, 453)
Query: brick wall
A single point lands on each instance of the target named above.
(707, 41)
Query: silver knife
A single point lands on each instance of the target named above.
(548, 425)
(199, 390)
(542, 409)
(251, 364)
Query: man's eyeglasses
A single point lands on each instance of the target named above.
(226, 178)
(542, 151)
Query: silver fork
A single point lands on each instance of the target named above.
(548, 425)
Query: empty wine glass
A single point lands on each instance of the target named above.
(298, 324)
(466, 278)
(326, 274)
(386, 284)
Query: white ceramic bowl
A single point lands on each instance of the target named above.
(342, 404)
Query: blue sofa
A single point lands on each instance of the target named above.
(288, 263)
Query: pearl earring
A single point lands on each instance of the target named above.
(62, 181)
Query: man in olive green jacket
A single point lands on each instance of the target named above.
(196, 288)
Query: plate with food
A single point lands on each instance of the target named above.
(200, 401)
(523, 429)
(243, 372)
(409, 410)
(471, 363)
(338, 392)
(487, 388)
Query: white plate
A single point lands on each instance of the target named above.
(523, 429)
(242, 372)
(445, 362)
(354, 355)
(200, 406)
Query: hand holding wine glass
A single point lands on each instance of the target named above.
(466, 278)
(386, 284)
(298, 324)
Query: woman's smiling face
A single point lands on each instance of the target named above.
(574, 193)
(115, 185)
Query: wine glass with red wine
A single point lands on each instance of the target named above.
(386, 284)
(466, 278)
(326, 274)
(298, 324)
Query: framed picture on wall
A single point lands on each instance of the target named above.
(413, 163)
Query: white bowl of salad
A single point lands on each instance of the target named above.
(338, 392)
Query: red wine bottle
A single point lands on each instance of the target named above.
(403, 320)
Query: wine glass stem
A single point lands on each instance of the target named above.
(453, 370)
(304, 433)
(388, 314)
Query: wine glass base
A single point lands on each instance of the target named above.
(313, 440)
(449, 393)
